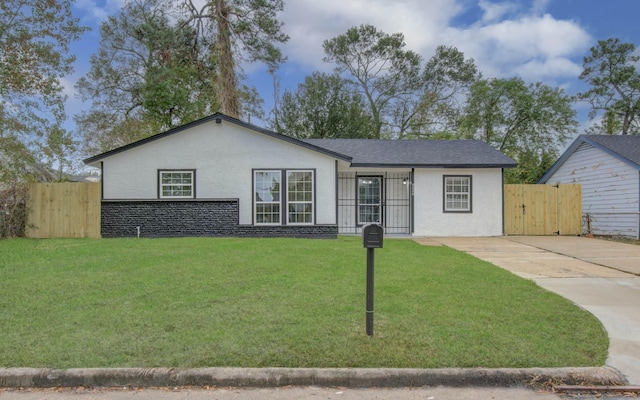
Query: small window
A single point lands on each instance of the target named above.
(457, 194)
(176, 184)
(267, 197)
(300, 197)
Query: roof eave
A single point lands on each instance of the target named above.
(458, 166)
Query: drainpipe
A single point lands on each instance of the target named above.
(503, 227)
(411, 201)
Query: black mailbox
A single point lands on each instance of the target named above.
(372, 236)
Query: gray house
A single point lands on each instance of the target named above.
(608, 168)
(219, 176)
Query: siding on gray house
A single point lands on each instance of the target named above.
(610, 184)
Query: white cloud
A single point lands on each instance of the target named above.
(507, 40)
(531, 47)
(95, 13)
(67, 86)
(495, 11)
(544, 36)
(539, 6)
(310, 22)
(541, 70)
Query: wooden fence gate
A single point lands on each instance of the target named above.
(543, 209)
(63, 210)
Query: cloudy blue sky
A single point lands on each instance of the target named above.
(538, 40)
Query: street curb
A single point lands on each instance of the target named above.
(327, 377)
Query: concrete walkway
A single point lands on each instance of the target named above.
(280, 393)
(600, 276)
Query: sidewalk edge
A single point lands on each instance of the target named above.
(328, 377)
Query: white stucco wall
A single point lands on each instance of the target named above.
(223, 156)
(486, 196)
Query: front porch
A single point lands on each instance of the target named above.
(381, 197)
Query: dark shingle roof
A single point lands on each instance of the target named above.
(417, 153)
(365, 152)
(626, 146)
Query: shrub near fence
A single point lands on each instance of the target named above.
(12, 210)
(63, 210)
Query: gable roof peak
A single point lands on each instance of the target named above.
(623, 147)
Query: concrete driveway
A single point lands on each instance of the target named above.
(600, 276)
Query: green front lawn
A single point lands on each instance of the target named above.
(201, 302)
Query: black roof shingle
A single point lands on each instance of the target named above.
(417, 153)
(626, 146)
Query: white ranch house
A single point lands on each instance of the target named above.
(219, 176)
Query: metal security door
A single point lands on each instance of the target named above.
(383, 198)
(370, 200)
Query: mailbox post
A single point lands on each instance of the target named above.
(372, 236)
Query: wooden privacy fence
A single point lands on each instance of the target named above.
(72, 210)
(543, 209)
(63, 210)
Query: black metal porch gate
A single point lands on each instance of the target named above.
(389, 200)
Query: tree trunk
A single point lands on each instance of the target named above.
(227, 82)
(625, 123)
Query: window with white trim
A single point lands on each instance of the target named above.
(457, 193)
(369, 200)
(267, 197)
(300, 197)
(289, 190)
(176, 184)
